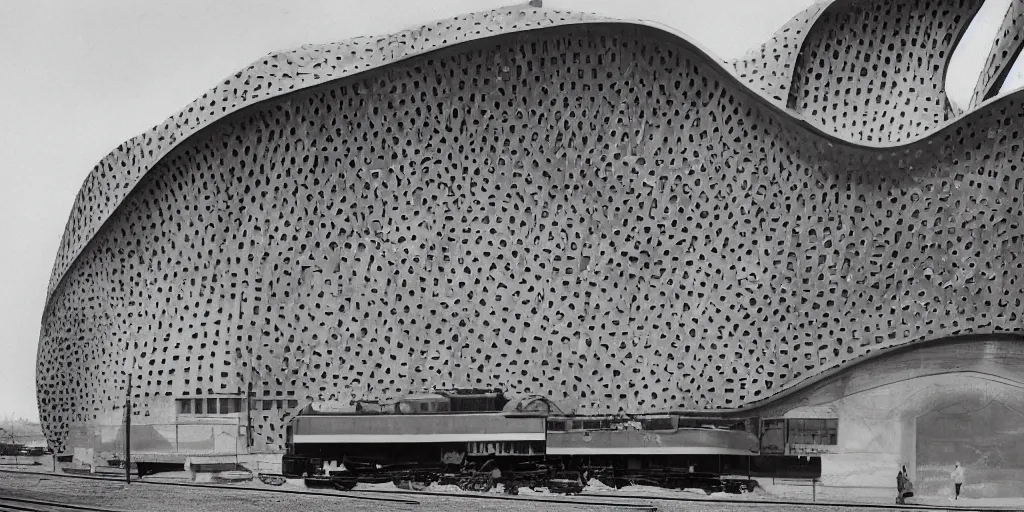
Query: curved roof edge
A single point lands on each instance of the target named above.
(952, 109)
(282, 73)
(1002, 54)
(788, 39)
(840, 369)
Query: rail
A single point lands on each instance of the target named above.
(371, 495)
(37, 505)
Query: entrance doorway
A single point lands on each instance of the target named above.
(984, 436)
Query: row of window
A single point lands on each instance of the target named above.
(655, 424)
(813, 431)
(209, 405)
(776, 434)
(229, 405)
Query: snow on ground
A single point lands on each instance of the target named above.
(968, 502)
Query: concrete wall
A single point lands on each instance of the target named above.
(158, 434)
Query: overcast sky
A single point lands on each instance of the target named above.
(79, 77)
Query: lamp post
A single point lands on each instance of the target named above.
(128, 433)
(249, 394)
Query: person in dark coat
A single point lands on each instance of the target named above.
(900, 483)
(904, 487)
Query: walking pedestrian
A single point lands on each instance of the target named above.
(958, 478)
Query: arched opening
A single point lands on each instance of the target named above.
(976, 421)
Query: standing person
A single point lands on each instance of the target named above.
(958, 478)
(900, 479)
(908, 486)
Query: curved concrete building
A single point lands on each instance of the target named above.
(592, 210)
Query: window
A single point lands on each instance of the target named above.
(657, 424)
(184, 406)
(211, 406)
(813, 431)
(773, 435)
(229, 405)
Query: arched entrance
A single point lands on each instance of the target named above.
(980, 430)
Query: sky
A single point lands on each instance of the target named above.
(79, 77)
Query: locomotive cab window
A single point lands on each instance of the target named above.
(557, 425)
(658, 424)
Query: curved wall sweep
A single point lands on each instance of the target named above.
(110, 182)
(874, 70)
(1005, 49)
(596, 213)
(769, 67)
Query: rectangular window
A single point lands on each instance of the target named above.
(813, 431)
(292, 404)
(773, 437)
(199, 405)
(657, 424)
(267, 404)
(556, 426)
(230, 405)
(211, 406)
(184, 405)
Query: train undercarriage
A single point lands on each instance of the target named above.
(420, 468)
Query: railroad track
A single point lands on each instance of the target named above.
(20, 504)
(369, 495)
(622, 501)
(647, 507)
(403, 501)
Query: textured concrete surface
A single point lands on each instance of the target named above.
(770, 66)
(875, 71)
(599, 213)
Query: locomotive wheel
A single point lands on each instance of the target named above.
(476, 483)
(412, 485)
(345, 485)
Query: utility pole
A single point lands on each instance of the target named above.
(128, 433)
(248, 382)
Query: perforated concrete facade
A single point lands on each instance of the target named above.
(875, 70)
(596, 212)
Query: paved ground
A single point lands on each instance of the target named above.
(159, 498)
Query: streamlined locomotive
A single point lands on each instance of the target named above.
(477, 438)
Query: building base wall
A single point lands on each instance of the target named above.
(928, 424)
